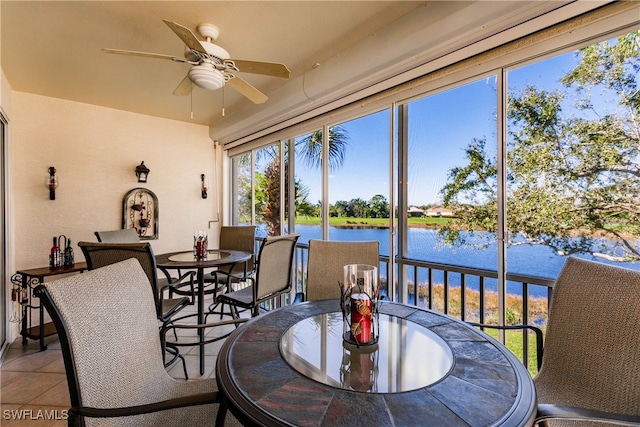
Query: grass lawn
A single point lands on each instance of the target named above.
(515, 344)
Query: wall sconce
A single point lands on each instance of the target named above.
(204, 187)
(52, 183)
(142, 172)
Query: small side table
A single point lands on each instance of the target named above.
(28, 280)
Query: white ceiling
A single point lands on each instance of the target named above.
(53, 48)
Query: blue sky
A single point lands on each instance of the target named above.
(440, 127)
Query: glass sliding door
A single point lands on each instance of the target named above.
(358, 184)
(359, 180)
(451, 194)
(267, 187)
(241, 192)
(308, 186)
(573, 153)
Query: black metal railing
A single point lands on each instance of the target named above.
(457, 291)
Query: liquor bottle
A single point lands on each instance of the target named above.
(68, 255)
(54, 257)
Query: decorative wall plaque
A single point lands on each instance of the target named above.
(140, 211)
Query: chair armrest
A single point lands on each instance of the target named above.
(538, 332)
(182, 280)
(180, 402)
(548, 412)
(247, 279)
(224, 275)
(183, 277)
(186, 276)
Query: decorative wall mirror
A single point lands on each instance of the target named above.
(140, 211)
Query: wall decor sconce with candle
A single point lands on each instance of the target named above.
(203, 187)
(142, 172)
(140, 212)
(52, 183)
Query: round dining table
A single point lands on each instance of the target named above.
(185, 260)
(292, 367)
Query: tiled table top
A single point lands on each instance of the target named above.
(487, 384)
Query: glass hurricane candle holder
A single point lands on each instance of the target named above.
(359, 304)
(200, 244)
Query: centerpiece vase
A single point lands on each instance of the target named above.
(359, 304)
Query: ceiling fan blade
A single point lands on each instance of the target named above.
(184, 88)
(145, 54)
(247, 90)
(186, 36)
(267, 68)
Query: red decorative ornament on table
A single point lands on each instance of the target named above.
(359, 304)
(200, 244)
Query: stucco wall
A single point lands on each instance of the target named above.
(95, 151)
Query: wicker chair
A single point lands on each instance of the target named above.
(590, 366)
(101, 254)
(326, 262)
(106, 322)
(273, 275)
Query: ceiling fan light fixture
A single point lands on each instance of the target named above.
(206, 77)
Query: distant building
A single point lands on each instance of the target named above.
(415, 212)
(439, 212)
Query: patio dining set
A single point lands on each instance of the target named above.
(303, 362)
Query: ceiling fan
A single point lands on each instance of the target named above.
(212, 66)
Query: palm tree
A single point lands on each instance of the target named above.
(309, 150)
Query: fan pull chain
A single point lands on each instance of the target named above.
(222, 101)
(192, 104)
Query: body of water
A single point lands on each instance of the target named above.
(424, 244)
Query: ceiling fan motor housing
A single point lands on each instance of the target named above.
(215, 50)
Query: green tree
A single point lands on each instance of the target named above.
(268, 193)
(307, 149)
(572, 180)
(339, 209)
(243, 185)
(358, 208)
(379, 206)
(302, 204)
